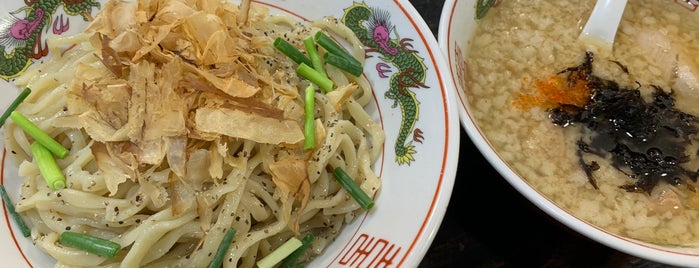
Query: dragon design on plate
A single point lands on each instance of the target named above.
(22, 32)
(374, 29)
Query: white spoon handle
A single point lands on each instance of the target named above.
(602, 25)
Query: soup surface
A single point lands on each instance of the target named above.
(519, 46)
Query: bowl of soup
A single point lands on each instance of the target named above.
(603, 141)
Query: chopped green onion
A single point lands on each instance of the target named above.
(222, 248)
(22, 95)
(354, 190)
(95, 245)
(280, 253)
(290, 51)
(340, 62)
(52, 173)
(294, 256)
(15, 216)
(40, 136)
(332, 47)
(309, 128)
(312, 52)
(315, 77)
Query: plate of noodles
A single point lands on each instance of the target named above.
(604, 141)
(207, 133)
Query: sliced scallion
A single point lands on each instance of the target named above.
(52, 173)
(280, 253)
(222, 248)
(95, 245)
(351, 67)
(309, 128)
(289, 261)
(353, 188)
(332, 47)
(15, 216)
(39, 135)
(312, 52)
(315, 77)
(22, 95)
(290, 51)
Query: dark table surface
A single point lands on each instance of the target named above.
(489, 224)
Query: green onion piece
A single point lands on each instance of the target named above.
(315, 77)
(331, 46)
(22, 95)
(344, 64)
(289, 261)
(222, 248)
(95, 245)
(312, 52)
(353, 188)
(52, 173)
(40, 136)
(15, 216)
(309, 128)
(280, 253)
(290, 51)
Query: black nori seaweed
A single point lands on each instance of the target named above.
(644, 140)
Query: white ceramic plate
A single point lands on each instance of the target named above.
(456, 27)
(414, 195)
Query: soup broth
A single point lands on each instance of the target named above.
(520, 43)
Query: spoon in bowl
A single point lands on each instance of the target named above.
(600, 29)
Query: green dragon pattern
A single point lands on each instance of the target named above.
(373, 28)
(23, 36)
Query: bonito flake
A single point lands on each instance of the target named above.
(170, 75)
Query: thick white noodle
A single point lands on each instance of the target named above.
(144, 225)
